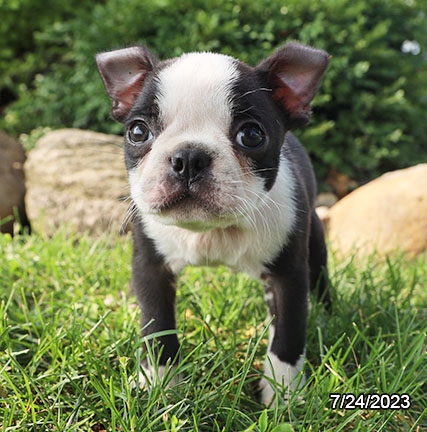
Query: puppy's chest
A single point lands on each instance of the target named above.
(247, 246)
(243, 249)
(234, 247)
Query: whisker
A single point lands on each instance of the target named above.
(250, 215)
(130, 212)
(253, 91)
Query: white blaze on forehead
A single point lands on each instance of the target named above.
(195, 91)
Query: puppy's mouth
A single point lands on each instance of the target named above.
(172, 201)
(198, 206)
(192, 210)
(184, 201)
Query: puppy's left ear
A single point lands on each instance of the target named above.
(294, 72)
(123, 72)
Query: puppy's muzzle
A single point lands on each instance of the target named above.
(189, 165)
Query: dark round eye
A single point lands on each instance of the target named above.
(139, 133)
(250, 135)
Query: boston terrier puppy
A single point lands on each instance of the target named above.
(216, 177)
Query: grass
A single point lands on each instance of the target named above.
(69, 345)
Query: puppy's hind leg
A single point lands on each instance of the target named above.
(318, 261)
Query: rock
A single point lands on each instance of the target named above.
(326, 199)
(323, 213)
(12, 183)
(77, 178)
(386, 214)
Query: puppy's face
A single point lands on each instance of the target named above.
(204, 131)
(201, 150)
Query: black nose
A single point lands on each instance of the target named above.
(189, 165)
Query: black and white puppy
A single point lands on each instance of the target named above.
(216, 177)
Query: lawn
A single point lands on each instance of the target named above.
(69, 345)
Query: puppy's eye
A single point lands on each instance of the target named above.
(139, 133)
(250, 135)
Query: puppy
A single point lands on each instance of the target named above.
(217, 178)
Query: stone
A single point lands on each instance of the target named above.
(323, 213)
(77, 178)
(326, 199)
(12, 184)
(386, 214)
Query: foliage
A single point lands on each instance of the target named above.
(369, 116)
(29, 141)
(22, 27)
(69, 345)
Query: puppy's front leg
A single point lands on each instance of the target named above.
(286, 296)
(154, 285)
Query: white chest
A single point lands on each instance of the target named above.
(245, 247)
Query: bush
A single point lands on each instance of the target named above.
(21, 29)
(369, 116)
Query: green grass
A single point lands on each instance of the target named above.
(69, 345)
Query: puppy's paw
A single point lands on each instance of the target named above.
(151, 376)
(267, 393)
(284, 374)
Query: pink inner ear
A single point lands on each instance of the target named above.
(294, 91)
(286, 97)
(123, 72)
(294, 72)
(126, 92)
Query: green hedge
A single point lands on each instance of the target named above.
(370, 113)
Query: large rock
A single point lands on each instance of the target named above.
(78, 178)
(12, 183)
(386, 214)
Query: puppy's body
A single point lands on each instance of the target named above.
(217, 179)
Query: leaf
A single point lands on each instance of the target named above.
(284, 427)
(263, 421)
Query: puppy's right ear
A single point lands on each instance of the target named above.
(123, 72)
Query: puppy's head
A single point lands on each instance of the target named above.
(204, 131)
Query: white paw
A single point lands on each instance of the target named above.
(284, 374)
(153, 375)
(267, 392)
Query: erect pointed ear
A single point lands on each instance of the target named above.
(294, 72)
(123, 72)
